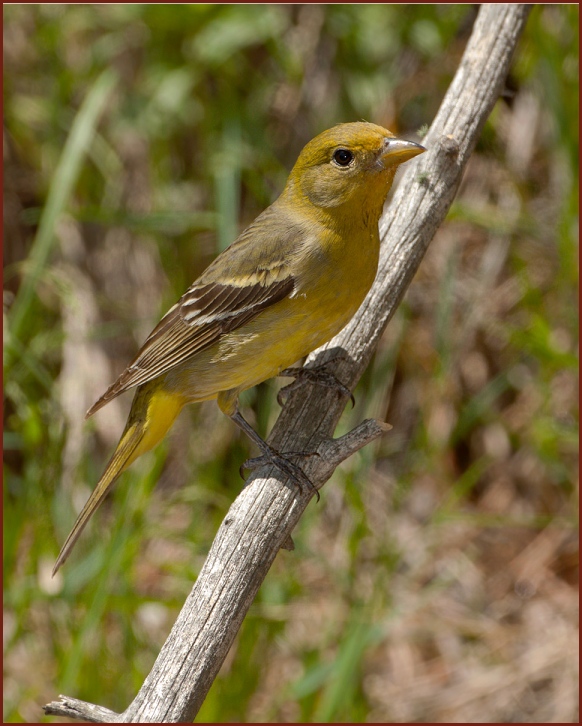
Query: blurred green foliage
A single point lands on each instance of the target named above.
(138, 140)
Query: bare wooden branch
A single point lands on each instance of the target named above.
(262, 517)
(73, 708)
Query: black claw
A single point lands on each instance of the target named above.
(317, 375)
(286, 467)
(272, 456)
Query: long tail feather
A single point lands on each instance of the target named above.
(120, 460)
(152, 413)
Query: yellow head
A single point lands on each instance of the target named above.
(349, 164)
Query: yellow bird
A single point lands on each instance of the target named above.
(288, 284)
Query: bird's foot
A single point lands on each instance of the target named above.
(317, 375)
(283, 463)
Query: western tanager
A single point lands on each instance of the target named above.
(288, 284)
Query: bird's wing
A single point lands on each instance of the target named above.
(248, 277)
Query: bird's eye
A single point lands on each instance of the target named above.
(343, 157)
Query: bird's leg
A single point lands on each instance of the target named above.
(272, 456)
(317, 375)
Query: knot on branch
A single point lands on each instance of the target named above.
(449, 145)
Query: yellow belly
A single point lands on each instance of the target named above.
(283, 333)
(245, 357)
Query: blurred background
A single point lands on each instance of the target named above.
(437, 578)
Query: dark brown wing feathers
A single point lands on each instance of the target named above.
(198, 320)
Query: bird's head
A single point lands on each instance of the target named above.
(349, 163)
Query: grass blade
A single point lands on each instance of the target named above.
(60, 191)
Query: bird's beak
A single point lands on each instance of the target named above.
(396, 151)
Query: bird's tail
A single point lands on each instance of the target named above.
(152, 413)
